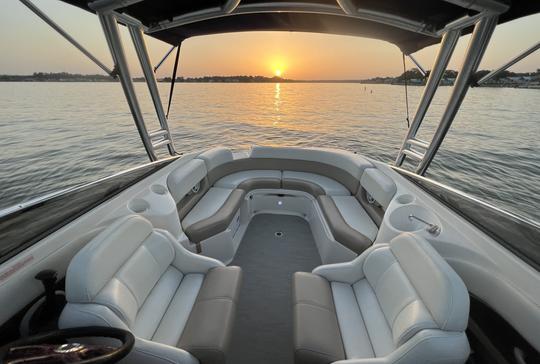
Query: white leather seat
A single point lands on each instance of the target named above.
(207, 206)
(355, 216)
(396, 303)
(179, 305)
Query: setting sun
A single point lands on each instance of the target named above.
(278, 72)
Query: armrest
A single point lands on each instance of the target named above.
(348, 272)
(186, 261)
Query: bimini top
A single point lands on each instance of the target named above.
(409, 24)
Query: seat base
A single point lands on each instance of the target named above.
(208, 331)
(317, 338)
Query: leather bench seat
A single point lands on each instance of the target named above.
(396, 303)
(342, 183)
(251, 180)
(180, 306)
(213, 213)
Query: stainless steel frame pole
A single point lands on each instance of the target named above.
(149, 75)
(64, 34)
(510, 63)
(164, 58)
(417, 64)
(110, 28)
(475, 51)
(446, 50)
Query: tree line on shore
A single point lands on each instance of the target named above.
(412, 76)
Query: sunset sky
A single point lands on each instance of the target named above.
(28, 45)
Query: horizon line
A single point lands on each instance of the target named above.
(238, 76)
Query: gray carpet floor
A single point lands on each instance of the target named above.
(263, 328)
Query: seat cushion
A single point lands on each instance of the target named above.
(213, 213)
(363, 326)
(317, 339)
(355, 216)
(272, 178)
(293, 180)
(207, 206)
(165, 311)
(207, 334)
(349, 223)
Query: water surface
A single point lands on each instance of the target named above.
(56, 135)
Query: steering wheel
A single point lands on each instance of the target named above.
(54, 347)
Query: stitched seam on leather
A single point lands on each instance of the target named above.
(155, 283)
(419, 298)
(364, 321)
(417, 325)
(155, 329)
(101, 241)
(169, 305)
(383, 274)
(443, 326)
(117, 310)
(130, 291)
(401, 310)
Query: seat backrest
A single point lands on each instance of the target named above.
(215, 157)
(351, 163)
(416, 288)
(119, 267)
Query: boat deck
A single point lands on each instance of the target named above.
(263, 329)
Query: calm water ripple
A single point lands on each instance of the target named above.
(56, 135)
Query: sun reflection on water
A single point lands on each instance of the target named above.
(277, 103)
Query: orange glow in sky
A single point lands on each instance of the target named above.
(28, 45)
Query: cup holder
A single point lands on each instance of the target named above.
(159, 189)
(138, 206)
(405, 199)
(413, 218)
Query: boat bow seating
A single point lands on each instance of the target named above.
(350, 191)
(395, 303)
(179, 305)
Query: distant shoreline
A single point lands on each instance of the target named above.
(513, 85)
(412, 77)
